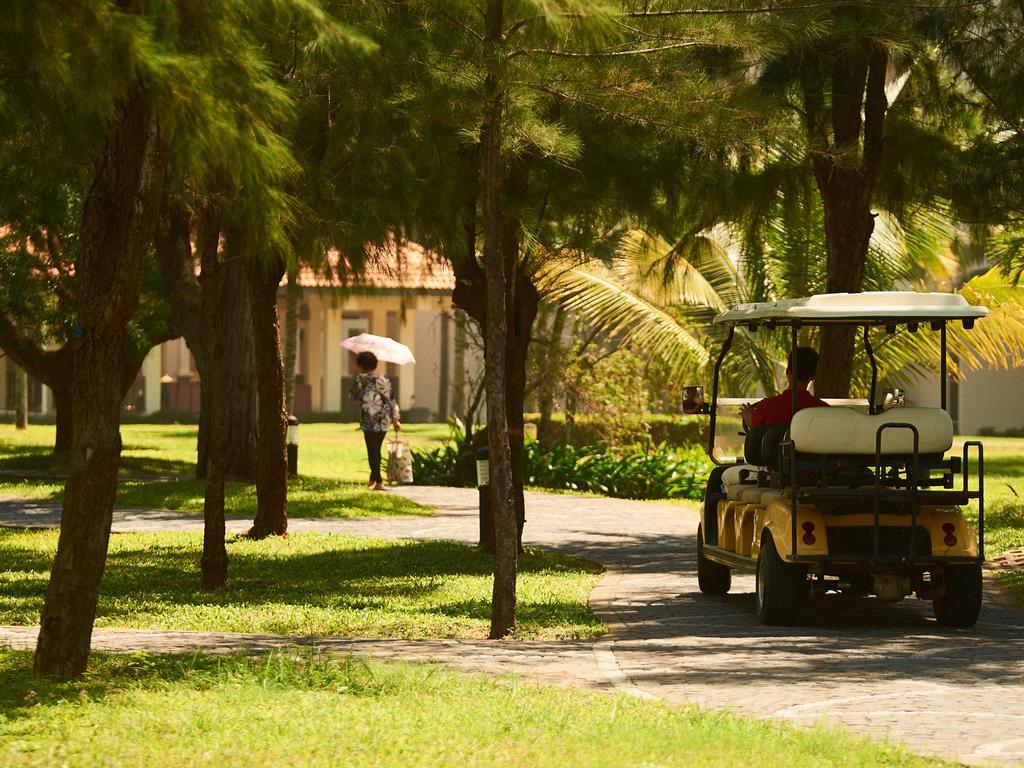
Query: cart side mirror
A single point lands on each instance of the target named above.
(693, 401)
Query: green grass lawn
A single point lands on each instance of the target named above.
(1004, 500)
(308, 584)
(311, 710)
(329, 451)
(332, 470)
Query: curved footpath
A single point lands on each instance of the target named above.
(880, 670)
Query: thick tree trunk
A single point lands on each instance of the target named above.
(214, 561)
(848, 227)
(118, 220)
(20, 398)
(496, 268)
(64, 405)
(177, 271)
(291, 341)
(847, 184)
(240, 363)
(272, 458)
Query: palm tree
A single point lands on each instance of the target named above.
(661, 298)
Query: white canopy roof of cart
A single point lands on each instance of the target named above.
(875, 307)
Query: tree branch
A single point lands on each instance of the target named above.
(599, 54)
(875, 106)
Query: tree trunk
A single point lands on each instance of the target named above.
(848, 227)
(240, 363)
(293, 297)
(53, 367)
(118, 220)
(214, 561)
(522, 313)
(176, 261)
(847, 184)
(20, 398)
(459, 365)
(496, 269)
(272, 458)
(64, 406)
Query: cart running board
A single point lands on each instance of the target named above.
(729, 558)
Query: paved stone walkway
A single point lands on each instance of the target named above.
(875, 669)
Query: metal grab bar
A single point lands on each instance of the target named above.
(980, 492)
(911, 486)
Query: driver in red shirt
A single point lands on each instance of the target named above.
(779, 409)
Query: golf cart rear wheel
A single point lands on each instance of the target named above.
(781, 586)
(961, 603)
(712, 578)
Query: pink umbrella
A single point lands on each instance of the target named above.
(384, 349)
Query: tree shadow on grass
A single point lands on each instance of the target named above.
(32, 458)
(319, 578)
(40, 458)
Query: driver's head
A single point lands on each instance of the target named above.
(803, 364)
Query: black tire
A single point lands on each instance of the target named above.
(781, 587)
(961, 604)
(712, 578)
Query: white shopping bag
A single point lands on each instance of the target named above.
(399, 462)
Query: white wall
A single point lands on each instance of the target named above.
(986, 399)
(428, 356)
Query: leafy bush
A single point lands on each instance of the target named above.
(452, 463)
(661, 472)
(649, 430)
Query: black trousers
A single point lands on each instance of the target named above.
(374, 441)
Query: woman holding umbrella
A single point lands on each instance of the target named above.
(378, 410)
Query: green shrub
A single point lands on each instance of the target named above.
(649, 430)
(663, 472)
(453, 463)
(638, 472)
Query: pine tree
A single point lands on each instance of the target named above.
(502, 110)
(124, 92)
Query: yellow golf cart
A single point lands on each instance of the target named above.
(855, 498)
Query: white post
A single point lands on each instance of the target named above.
(151, 371)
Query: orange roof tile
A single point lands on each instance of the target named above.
(393, 266)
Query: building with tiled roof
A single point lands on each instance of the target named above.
(403, 291)
(405, 267)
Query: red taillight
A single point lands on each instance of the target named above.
(809, 539)
(808, 527)
(950, 539)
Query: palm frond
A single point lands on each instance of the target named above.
(666, 274)
(594, 294)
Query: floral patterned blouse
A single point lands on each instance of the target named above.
(379, 409)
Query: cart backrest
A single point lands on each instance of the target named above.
(844, 431)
